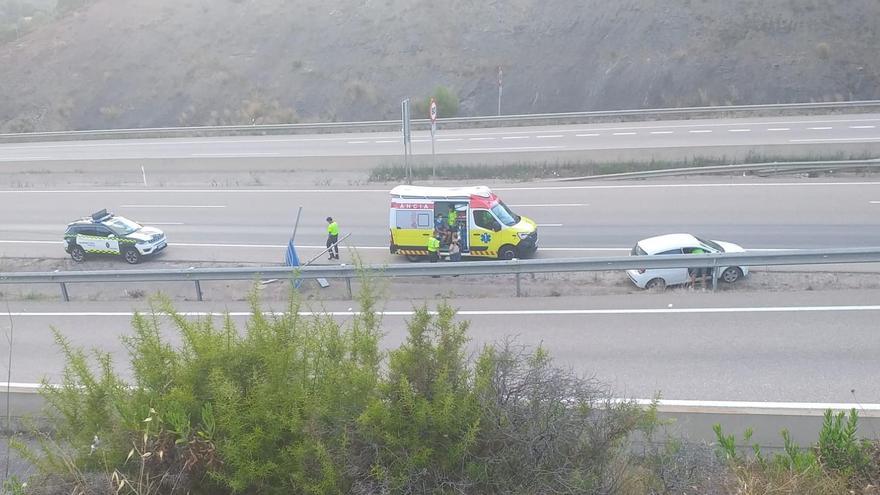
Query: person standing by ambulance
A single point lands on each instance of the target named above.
(434, 247)
(332, 238)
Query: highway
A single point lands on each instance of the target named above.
(801, 347)
(575, 219)
(789, 131)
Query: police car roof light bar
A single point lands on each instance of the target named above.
(101, 215)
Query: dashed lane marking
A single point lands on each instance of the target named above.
(779, 129)
(587, 135)
(739, 130)
(172, 206)
(549, 136)
(624, 134)
(827, 140)
(548, 205)
(515, 137)
(862, 126)
(819, 128)
(700, 131)
(662, 132)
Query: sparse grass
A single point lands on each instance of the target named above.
(527, 170)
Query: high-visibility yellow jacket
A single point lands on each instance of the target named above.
(433, 245)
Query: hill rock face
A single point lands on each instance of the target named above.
(136, 63)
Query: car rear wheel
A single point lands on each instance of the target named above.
(78, 254)
(507, 252)
(656, 284)
(132, 256)
(731, 274)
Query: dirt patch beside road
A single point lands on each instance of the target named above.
(417, 288)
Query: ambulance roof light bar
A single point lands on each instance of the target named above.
(441, 192)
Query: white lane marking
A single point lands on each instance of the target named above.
(662, 132)
(418, 141)
(520, 148)
(728, 404)
(549, 205)
(826, 140)
(739, 130)
(548, 136)
(549, 225)
(874, 202)
(150, 224)
(481, 139)
(449, 139)
(23, 158)
(624, 134)
(819, 128)
(234, 155)
(779, 129)
(357, 142)
(172, 206)
(385, 191)
(700, 131)
(586, 135)
(497, 312)
(382, 141)
(515, 137)
(862, 126)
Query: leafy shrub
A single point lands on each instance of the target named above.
(447, 104)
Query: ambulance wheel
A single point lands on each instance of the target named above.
(507, 252)
(413, 258)
(78, 254)
(132, 256)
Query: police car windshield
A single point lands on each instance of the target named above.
(504, 214)
(121, 226)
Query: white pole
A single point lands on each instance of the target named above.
(144, 173)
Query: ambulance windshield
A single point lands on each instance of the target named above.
(504, 214)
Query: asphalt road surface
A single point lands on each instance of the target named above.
(801, 347)
(790, 131)
(575, 219)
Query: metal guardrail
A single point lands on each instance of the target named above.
(767, 167)
(467, 268)
(424, 124)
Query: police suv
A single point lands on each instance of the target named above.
(106, 233)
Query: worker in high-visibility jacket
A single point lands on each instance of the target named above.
(332, 238)
(434, 247)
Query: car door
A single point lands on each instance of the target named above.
(672, 276)
(484, 227)
(108, 244)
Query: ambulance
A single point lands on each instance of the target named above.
(488, 228)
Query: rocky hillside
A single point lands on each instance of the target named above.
(136, 63)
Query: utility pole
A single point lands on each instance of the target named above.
(433, 114)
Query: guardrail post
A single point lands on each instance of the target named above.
(518, 293)
(714, 276)
(198, 290)
(348, 286)
(64, 294)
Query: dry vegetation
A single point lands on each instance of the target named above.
(129, 63)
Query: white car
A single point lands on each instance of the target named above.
(680, 244)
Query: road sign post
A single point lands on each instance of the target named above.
(404, 111)
(433, 115)
(500, 87)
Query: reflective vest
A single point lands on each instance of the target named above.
(452, 218)
(333, 228)
(433, 245)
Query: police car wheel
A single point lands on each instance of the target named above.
(132, 257)
(507, 253)
(78, 254)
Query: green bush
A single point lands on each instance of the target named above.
(447, 104)
(303, 405)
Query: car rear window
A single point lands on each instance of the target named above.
(637, 251)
